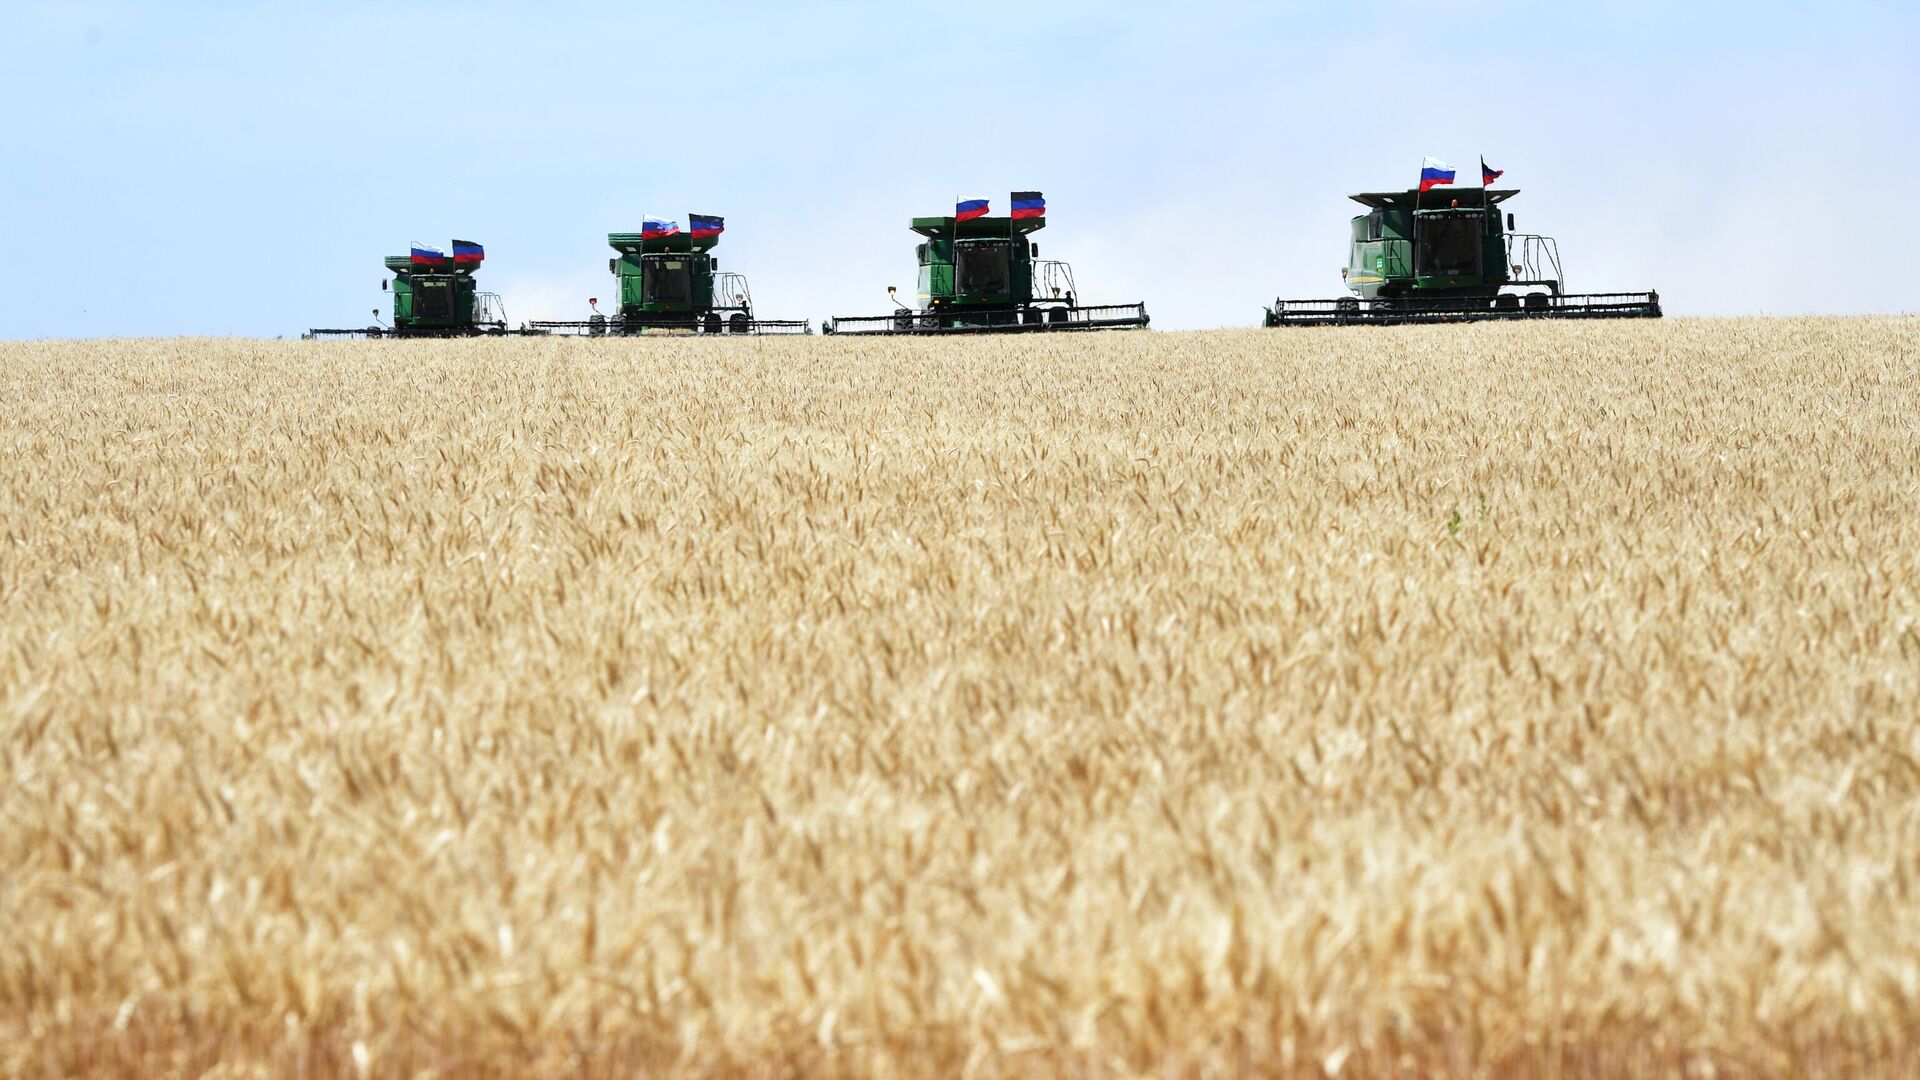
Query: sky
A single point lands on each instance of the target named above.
(233, 168)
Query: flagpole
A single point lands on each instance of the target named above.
(1419, 202)
(1028, 263)
(1487, 177)
(1486, 207)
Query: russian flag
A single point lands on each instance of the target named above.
(968, 209)
(1434, 172)
(1028, 204)
(1488, 174)
(658, 230)
(702, 227)
(467, 253)
(428, 256)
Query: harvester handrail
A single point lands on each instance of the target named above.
(1048, 274)
(730, 291)
(489, 309)
(1536, 250)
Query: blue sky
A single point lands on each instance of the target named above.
(240, 168)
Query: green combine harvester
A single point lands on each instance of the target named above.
(434, 295)
(981, 274)
(1444, 257)
(669, 281)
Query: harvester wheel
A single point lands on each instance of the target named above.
(1506, 302)
(1539, 301)
(1058, 315)
(1347, 305)
(903, 321)
(710, 324)
(1030, 316)
(737, 323)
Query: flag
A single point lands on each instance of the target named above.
(651, 229)
(1434, 172)
(1028, 204)
(968, 209)
(1488, 174)
(467, 253)
(424, 256)
(702, 227)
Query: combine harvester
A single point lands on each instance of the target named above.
(669, 281)
(981, 274)
(434, 295)
(1417, 257)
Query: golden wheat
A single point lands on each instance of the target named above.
(1503, 699)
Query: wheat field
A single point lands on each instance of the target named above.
(1487, 701)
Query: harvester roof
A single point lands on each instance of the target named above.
(1434, 199)
(403, 264)
(983, 228)
(633, 243)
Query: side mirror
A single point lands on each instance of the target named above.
(1036, 250)
(383, 284)
(613, 266)
(1509, 222)
(716, 266)
(920, 253)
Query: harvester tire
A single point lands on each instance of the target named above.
(1030, 316)
(1539, 301)
(1058, 315)
(1506, 302)
(710, 324)
(737, 323)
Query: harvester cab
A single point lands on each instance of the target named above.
(1449, 257)
(980, 274)
(671, 281)
(434, 295)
